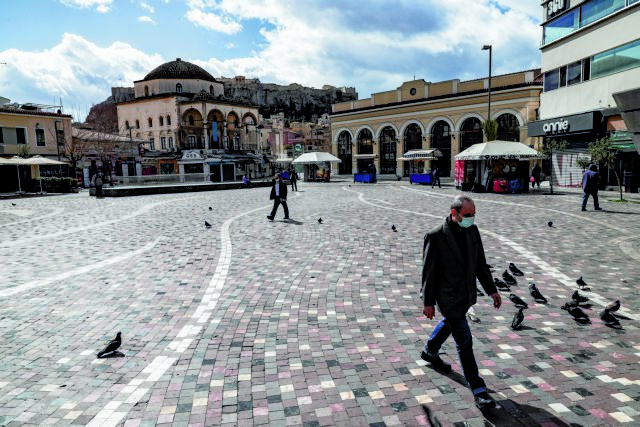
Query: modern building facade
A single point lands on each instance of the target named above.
(445, 115)
(590, 59)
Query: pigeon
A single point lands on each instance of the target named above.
(490, 267)
(515, 270)
(581, 283)
(501, 285)
(609, 319)
(575, 311)
(511, 281)
(210, 208)
(471, 314)
(13, 204)
(579, 298)
(535, 293)
(319, 220)
(480, 291)
(206, 224)
(112, 346)
(613, 307)
(519, 302)
(393, 227)
(550, 223)
(518, 318)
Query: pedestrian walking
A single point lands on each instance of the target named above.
(435, 176)
(453, 259)
(590, 183)
(279, 197)
(245, 181)
(98, 181)
(293, 176)
(535, 174)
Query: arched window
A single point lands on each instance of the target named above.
(211, 89)
(412, 141)
(161, 121)
(470, 133)
(168, 120)
(178, 88)
(137, 124)
(191, 121)
(441, 139)
(146, 91)
(126, 124)
(508, 129)
(150, 121)
(344, 153)
(365, 142)
(388, 150)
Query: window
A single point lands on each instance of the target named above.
(595, 9)
(574, 73)
(146, 91)
(192, 141)
(178, 88)
(152, 144)
(586, 69)
(150, 122)
(191, 121)
(211, 89)
(163, 142)
(170, 142)
(40, 137)
(563, 76)
(137, 124)
(561, 26)
(168, 120)
(615, 60)
(161, 121)
(551, 80)
(21, 136)
(1, 135)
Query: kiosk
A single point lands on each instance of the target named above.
(420, 174)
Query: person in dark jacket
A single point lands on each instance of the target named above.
(453, 259)
(590, 183)
(293, 177)
(435, 177)
(535, 174)
(279, 197)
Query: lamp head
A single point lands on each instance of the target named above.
(486, 47)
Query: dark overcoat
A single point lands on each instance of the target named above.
(449, 277)
(283, 190)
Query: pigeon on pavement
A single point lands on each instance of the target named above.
(519, 302)
(501, 285)
(393, 227)
(319, 220)
(206, 224)
(535, 293)
(613, 307)
(550, 223)
(518, 318)
(480, 293)
(112, 345)
(13, 204)
(515, 270)
(575, 311)
(581, 283)
(210, 208)
(579, 298)
(511, 281)
(609, 319)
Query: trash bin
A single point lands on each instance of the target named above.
(629, 182)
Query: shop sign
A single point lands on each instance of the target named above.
(564, 125)
(298, 147)
(554, 7)
(556, 127)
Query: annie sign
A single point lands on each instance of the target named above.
(556, 127)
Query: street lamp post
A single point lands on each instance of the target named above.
(489, 48)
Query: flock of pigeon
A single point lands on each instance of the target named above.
(574, 306)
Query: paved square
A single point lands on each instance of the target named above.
(252, 322)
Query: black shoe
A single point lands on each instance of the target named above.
(584, 209)
(598, 209)
(484, 401)
(436, 363)
(270, 217)
(286, 217)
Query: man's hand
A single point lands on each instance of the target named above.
(497, 300)
(429, 311)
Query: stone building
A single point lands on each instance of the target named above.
(445, 115)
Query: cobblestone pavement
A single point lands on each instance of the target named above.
(252, 322)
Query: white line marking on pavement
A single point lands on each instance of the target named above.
(82, 270)
(156, 369)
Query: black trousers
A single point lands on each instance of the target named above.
(294, 185)
(436, 179)
(276, 203)
(98, 190)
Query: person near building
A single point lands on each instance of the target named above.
(293, 177)
(453, 259)
(590, 183)
(98, 182)
(435, 177)
(535, 174)
(279, 197)
(245, 181)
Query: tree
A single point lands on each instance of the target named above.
(548, 148)
(602, 151)
(24, 151)
(490, 128)
(70, 149)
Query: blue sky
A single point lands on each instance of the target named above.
(79, 49)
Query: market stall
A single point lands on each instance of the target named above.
(317, 165)
(497, 166)
(418, 164)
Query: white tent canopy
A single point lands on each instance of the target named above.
(430, 154)
(499, 150)
(316, 157)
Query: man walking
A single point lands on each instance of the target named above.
(453, 258)
(279, 197)
(435, 177)
(293, 176)
(98, 182)
(535, 174)
(590, 183)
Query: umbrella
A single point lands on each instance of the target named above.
(15, 160)
(316, 157)
(35, 160)
(430, 154)
(499, 150)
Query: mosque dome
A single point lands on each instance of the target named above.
(179, 69)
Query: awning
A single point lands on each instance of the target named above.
(316, 157)
(366, 156)
(284, 160)
(430, 154)
(499, 150)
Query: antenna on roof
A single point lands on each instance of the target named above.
(414, 75)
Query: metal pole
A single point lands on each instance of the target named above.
(489, 108)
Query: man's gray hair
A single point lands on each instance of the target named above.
(459, 200)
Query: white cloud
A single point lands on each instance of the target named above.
(146, 6)
(75, 69)
(212, 21)
(102, 6)
(146, 19)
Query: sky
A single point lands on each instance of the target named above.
(71, 52)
